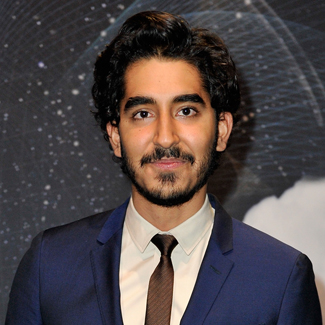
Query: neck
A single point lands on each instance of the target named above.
(166, 218)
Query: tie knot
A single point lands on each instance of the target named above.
(165, 243)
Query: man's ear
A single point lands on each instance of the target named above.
(114, 139)
(224, 129)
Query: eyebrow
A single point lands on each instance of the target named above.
(192, 98)
(143, 100)
(138, 100)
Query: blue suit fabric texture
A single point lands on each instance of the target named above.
(70, 275)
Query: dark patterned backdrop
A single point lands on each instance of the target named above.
(55, 166)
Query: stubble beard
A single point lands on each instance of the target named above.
(174, 195)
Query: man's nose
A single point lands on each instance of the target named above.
(166, 133)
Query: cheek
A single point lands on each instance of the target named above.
(199, 145)
(200, 138)
(141, 138)
(136, 142)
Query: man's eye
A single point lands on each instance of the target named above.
(187, 111)
(141, 115)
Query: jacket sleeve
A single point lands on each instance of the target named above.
(300, 305)
(24, 299)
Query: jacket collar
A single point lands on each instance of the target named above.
(222, 231)
(222, 228)
(215, 267)
(105, 263)
(114, 223)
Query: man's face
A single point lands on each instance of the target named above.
(167, 131)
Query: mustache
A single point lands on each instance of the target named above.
(160, 153)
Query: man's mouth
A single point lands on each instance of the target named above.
(168, 163)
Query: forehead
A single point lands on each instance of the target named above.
(162, 77)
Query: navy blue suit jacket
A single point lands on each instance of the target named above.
(70, 275)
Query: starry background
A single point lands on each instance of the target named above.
(54, 165)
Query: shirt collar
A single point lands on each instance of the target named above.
(188, 234)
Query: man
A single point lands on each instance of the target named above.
(165, 96)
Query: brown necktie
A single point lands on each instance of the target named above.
(160, 292)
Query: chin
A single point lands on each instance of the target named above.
(168, 198)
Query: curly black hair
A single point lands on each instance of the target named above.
(154, 34)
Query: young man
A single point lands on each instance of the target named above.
(165, 96)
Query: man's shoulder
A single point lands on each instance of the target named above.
(247, 241)
(90, 224)
(70, 240)
(251, 241)
(80, 233)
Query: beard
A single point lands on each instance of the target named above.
(176, 196)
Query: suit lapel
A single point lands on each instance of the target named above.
(105, 262)
(214, 270)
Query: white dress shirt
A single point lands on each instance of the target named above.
(139, 258)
